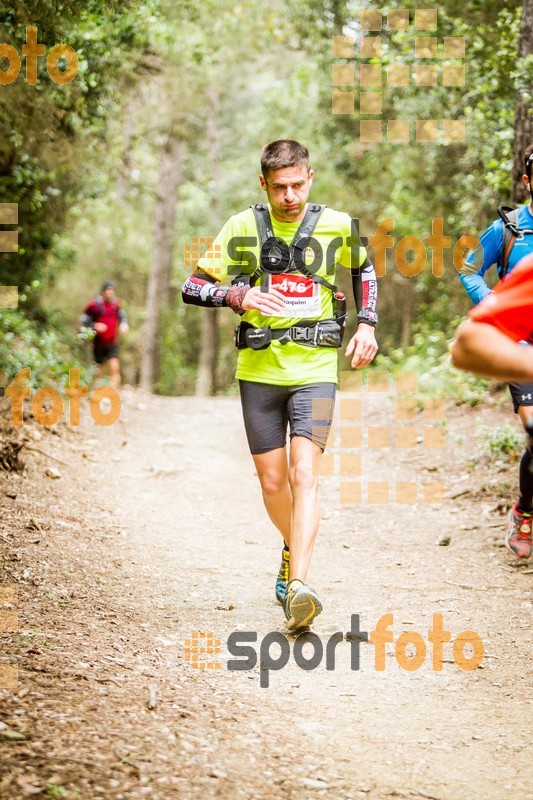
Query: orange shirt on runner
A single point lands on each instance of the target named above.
(510, 307)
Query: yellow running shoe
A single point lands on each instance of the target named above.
(301, 605)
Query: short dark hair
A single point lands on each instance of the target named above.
(107, 285)
(528, 160)
(284, 153)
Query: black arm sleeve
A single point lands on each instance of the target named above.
(365, 292)
(200, 289)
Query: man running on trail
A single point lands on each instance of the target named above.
(505, 243)
(107, 318)
(292, 317)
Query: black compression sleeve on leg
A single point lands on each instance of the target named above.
(525, 501)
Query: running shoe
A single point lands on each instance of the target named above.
(301, 605)
(518, 536)
(283, 576)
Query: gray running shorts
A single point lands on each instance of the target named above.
(267, 409)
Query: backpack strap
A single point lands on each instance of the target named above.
(264, 229)
(299, 241)
(99, 300)
(511, 232)
(301, 238)
(263, 222)
(308, 224)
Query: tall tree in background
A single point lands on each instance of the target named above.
(207, 360)
(159, 279)
(43, 128)
(460, 182)
(194, 85)
(231, 36)
(524, 98)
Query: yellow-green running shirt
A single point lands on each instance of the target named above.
(288, 364)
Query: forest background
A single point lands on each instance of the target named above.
(156, 142)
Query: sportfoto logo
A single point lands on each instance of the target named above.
(376, 78)
(410, 649)
(47, 403)
(352, 442)
(31, 51)
(410, 252)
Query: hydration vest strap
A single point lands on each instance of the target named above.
(318, 279)
(305, 229)
(307, 225)
(299, 241)
(263, 222)
(99, 300)
(511, 232)
(301, 237)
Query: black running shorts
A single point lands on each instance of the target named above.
(267, 409)
(522, 393)
(103, 353)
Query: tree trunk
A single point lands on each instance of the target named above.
(523, 117)
(407, 305)
(159, 280)
(206, 383)
(339, 13)
(124, 176)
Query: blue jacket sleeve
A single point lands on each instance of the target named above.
(476, 287)
(478, 261)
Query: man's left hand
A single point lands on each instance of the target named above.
(363, 346)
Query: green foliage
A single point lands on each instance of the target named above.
(81, 161)
(414, 183)
(53, 790)
(179, 348)
(49, 352)
(505, 441)
(436, 376)
(42, 126)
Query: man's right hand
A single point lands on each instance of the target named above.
(100, 327)
(268, 303)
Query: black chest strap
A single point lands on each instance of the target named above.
(263, 222)
(299, 241)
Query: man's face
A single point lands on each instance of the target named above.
(287, 191)
(108, 294)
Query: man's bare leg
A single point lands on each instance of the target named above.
(273, 474)
(114, 372)
(99, 374)
(290, 494)
(303, 478)
(525, 412)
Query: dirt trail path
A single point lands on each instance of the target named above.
(155, 530)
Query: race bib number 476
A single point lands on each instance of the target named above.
(302, 295)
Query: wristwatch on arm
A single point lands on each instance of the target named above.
(368, 317)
